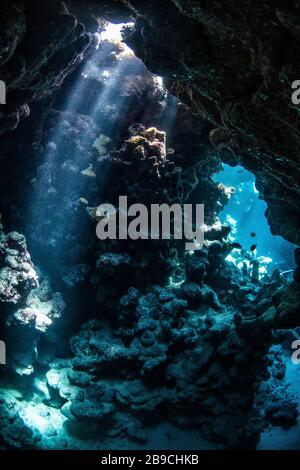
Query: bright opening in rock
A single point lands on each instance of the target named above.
(245, 214)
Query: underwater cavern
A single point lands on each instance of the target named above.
(140, 343)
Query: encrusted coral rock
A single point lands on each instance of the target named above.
(17, 274)
(28, 309)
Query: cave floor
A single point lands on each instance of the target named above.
(275, 438)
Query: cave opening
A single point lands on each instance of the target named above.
(245, 213)
(137, 344)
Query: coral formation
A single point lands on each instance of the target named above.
(27, 307)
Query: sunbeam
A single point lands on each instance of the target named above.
(72, 175)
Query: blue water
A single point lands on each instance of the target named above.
(245, 212)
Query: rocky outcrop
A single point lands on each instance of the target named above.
(15, 434)
(170, 349)
(28, 309)
(17, 274)
(40, 44)
(234, 65)
(25, 326)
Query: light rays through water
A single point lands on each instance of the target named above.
(65, 182)
(65, 177)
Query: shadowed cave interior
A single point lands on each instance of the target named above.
(141, 344)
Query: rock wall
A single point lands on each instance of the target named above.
(234, 65)
(28, 309)
(41, 43)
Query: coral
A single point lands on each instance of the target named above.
(176, 338)
(24, 326)
(29, 308)
(275, 403)
(15, 434)
(101, 144)
(286, 302)
(74, 275)
(210, 331)
(17, 274)
(136, 140)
